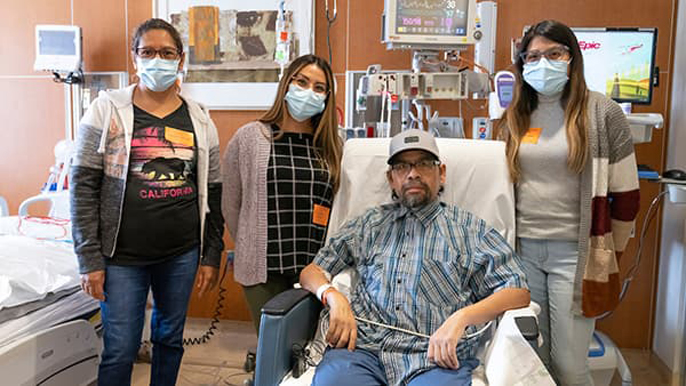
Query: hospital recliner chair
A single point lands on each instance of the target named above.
(478, 181)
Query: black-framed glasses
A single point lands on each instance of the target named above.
(164, 53)
(555, 53)
(303, 82)
(422, 166)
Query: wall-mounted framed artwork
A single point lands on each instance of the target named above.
(230, 45)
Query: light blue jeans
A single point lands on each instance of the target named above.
(550, 267)
(340, 367)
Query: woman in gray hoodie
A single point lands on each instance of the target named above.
(145, 201)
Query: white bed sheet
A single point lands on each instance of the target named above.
(31, 267)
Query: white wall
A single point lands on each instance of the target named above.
(670, 310)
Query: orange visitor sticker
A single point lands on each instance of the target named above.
(320, 215)
(532, 135)
(178, 136)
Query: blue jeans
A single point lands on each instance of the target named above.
(123, 313)
(550, 267)
(361, 367)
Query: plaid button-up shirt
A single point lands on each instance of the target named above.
(417, 267)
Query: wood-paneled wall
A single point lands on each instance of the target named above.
(31, 105)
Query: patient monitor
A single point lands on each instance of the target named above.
(386, 99)
(430, 24)
(58, 48)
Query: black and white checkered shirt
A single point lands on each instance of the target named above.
(296, 181)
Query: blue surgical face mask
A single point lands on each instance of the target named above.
(303, 103)
(546, 77)
(157, 74)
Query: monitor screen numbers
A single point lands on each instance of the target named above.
(432, 17)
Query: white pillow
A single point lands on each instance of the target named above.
(477, 180)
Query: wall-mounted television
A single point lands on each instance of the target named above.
(619, 62)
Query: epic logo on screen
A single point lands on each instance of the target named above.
(589, 45)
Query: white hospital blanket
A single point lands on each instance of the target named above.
(36, 227)
(31, 268)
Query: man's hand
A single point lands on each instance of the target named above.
(93, 283)
(443, 342)
(342, 325)
(206, 279)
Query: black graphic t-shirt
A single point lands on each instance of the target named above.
(160, 218)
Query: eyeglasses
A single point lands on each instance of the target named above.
(165, 53)
(303, 82)
(422, 166)
(555, 53)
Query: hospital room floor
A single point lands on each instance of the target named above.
(217, 362)
(220, 361)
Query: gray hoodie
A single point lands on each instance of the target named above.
(100, 169)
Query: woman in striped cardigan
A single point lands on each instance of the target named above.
(572, 159)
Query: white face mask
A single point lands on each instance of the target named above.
(303, 103)
(546, 77)
(157, 74)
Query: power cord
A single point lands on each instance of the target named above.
(204, 338)
(637, 258)
(144, 353)
(329, 21)
(303, 357)
(409, 332)
(226, 381)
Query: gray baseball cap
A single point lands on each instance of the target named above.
(412, 140)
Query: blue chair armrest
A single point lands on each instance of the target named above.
(288, 318)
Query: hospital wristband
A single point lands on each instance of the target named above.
(321, 289)
(326, 291)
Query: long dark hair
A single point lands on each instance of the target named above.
(325, 124)
(517, 118)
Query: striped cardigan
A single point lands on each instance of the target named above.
(609, 205)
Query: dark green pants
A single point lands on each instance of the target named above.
(259, 294)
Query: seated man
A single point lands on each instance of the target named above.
(428, 272)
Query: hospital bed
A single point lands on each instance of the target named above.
(47, 324)
(478, 181)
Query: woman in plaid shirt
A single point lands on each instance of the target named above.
(281, 173)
